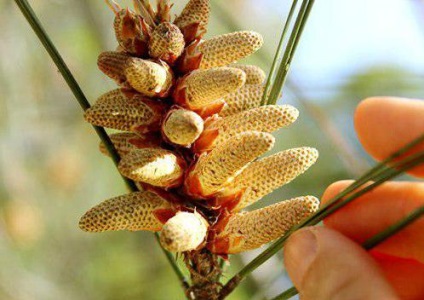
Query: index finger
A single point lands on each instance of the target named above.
(384, 125)
(378, 209)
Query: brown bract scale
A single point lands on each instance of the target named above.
(145, 10)
(193, 134)
(132, 33)
(163, 13)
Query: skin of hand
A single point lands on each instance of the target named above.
(328, 262)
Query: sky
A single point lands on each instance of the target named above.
(346, 36)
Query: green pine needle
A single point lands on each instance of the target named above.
(283, 69)
(278, 54)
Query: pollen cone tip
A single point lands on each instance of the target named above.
(184, 232)
(228, 48)
(155, 166)
(134, 211)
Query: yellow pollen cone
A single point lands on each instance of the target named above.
(228, 48)
(157, 167)
(201, 88)
(193, 20)
(267, 118)
(250, 230)
(166, 42)
(215, 169)
(124, 110)
(247, 97)
(125, 142)
(254, 74)
(182, 127)
(134, 211)
(113, 63)
(147, 77)
(267, 174)
(184, 232)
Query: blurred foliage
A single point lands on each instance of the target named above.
(51, 171)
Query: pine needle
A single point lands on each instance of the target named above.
(278, 54)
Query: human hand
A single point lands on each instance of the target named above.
(328, 262)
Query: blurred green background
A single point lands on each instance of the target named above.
(51, 171)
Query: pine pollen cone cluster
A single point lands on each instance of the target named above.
(192, 131)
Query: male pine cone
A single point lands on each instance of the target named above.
(192, 133)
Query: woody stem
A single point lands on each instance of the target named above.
(205, 272)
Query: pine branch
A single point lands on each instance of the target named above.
(32, 19)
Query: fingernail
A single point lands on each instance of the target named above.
(299, 253)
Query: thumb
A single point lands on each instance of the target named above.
(324, 264)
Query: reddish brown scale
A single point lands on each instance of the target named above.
(132, 32)
(211, 109)
(207, 137)
(171, 197)
(163, 13)
(214, 231)
(163, 215)
(227, 203)
(190, 59)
